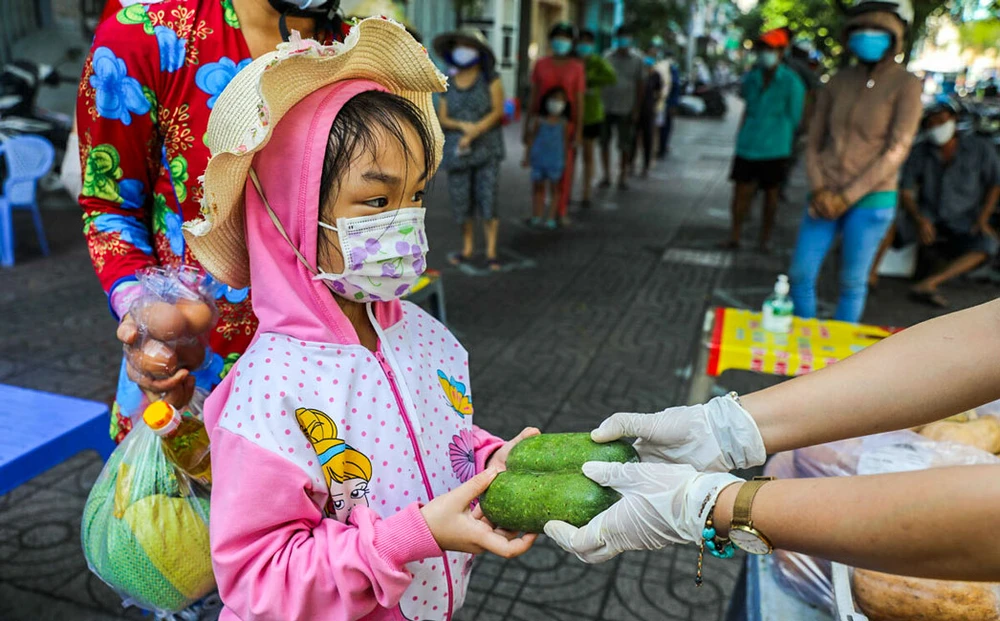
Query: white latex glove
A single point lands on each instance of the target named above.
(718, 436)
(661, 504)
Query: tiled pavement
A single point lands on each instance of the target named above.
(606, 321)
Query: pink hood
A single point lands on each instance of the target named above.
(286, 299)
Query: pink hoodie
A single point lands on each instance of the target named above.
(285, 544)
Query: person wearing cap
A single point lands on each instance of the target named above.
(154, 73)
(471, 113)
(774, 97)
(344, 450)
(949, 190)
(621, 105)
(860, 134)
(600, 74)
(560, 70)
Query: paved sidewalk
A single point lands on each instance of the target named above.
(606, 321)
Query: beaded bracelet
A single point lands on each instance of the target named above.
(719, 547)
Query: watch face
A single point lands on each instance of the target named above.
(749, 541)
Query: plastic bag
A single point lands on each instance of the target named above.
(899, 451)
(173, 314)
(145, 528)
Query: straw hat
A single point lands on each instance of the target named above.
(467, 35)
(376, 49)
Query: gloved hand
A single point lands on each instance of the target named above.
(715, 437)
(661, 504)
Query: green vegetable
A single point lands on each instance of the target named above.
(544, 481)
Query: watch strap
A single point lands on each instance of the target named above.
(744, 500)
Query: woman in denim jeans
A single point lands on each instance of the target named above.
(859, 137)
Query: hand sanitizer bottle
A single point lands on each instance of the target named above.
(778, 308)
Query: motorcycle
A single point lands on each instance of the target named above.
(702, 100)
(20, 83)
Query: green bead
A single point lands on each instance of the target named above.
(710, 545)
(708, 534)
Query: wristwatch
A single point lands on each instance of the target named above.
(741, 530)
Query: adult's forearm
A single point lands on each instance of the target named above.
(909, 203)
(990, 204)
(931, 523)
(932, 370)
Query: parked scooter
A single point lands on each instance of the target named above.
(702, 100)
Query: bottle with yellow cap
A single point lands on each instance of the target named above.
(185, 441)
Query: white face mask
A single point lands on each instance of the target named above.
(941, 134)
(384, 255)
(464, 56)
(555, 107)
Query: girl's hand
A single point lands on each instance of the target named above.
(499, 458)
(457, 527)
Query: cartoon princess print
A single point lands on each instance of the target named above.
(347, 471)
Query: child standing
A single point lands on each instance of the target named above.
(343, 449)
(546, 154)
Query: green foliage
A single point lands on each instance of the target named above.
(650, 18)
(980, 35)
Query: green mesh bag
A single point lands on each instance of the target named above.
(145, 528)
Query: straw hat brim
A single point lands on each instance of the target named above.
(257, 98)
(443, 43)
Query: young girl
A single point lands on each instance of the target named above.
(546, 154)
(343, 450)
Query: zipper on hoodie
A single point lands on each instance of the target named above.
(390, 375)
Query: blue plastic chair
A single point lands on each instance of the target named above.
(28, 158)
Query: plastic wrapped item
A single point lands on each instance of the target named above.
(899, 451)
(145, 528)
(184, 440)
(173, 315)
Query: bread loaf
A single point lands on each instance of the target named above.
(884, 597)
(982, 433)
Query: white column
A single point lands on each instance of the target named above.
(496, 40)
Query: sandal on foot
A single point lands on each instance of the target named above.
(457, 258)
(931, 298)
(494, 264)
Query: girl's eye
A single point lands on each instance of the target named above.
(378, 203)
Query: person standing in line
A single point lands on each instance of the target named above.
(662, 67)
(471, 112)
(599, 74)
(562, 70)
(859, 137)
(652, 94)
(774, 97)
(621, 106)
(546, 155)
(673, 90)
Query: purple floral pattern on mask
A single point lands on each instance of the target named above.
(382, 265)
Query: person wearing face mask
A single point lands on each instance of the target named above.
(621, 104)
(560, 70)
(949, 190)
(860, 134)
(471, 113)
(774, 97)
(345, 453)
(600, 74)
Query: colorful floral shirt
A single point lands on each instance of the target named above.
(147, 90)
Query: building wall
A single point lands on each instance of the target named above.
(499, 21)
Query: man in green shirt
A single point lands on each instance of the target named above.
(599, 74)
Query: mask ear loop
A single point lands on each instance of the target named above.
(277, 223)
